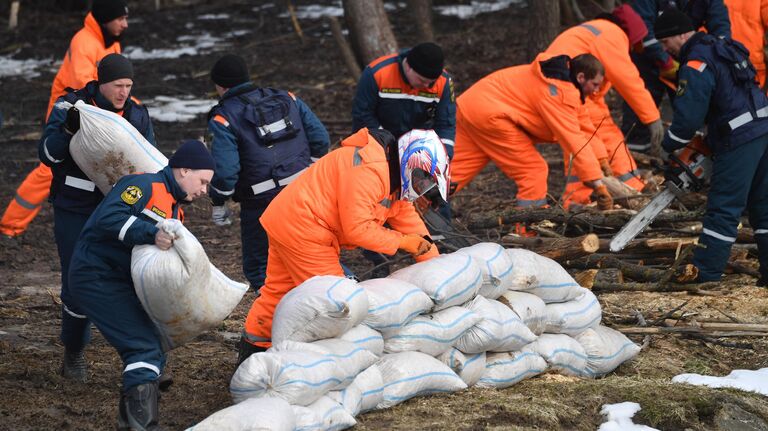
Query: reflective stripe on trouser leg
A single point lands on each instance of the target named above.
(75, 326)
(110, 301)
(287, 267)
(27, 202)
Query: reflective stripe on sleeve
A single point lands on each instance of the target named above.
(125, 227)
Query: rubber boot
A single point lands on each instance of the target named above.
(138, 408)
(245, 350)
(74, 366)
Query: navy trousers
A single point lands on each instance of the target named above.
(739, 181)
(75, 326)
(107, 297)
(255, 245)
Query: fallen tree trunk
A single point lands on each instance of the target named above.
(638, 273)
(699, 288)
(559, 249)
(639, 330)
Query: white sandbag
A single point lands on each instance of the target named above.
(392, 303)
(575, 316)
(299, 377)
(529, 307)
(410, 374)
(469, 367)
(499, 329)
(351, 358)
(503, 370)
(108, 147)
(322, 307)
(496, 266)
(331, 414)
(350, 398)
(370, 383)
(562, 353)
(255, 414)
(551, 282)
(179, 288)
(306, 419)
(449, 279)
(362, 335)
(433, 333)
(606, 349)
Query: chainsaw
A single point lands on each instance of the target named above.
(691, 170)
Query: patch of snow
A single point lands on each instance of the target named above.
(178, 109)
(746, 380)
(619, 417)
(314, 11)
(190, 45)
(189, 25)
(170, 77)
(475, 8)
(24, 68)
(214, 16)
(236, 33)
(262, 7)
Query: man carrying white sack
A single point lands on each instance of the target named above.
(100, 270)
(343, 200)
(73, 195)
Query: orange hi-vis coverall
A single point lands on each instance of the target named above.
(503, 115)
(342, 200)
(749, 21)
(610, 44)
(79, 67)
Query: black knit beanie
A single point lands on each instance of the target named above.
(192, 154)
(426, 59)
(671, 23)
(106, 10)
(230, 71)
(113, 67)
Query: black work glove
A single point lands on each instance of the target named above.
(72, 123)
(672, 173)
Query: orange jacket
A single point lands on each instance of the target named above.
(749, 21)
(81, 61)
(548, 109)
(343, 200)
(610, 44)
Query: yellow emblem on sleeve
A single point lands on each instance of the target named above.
(131, 195)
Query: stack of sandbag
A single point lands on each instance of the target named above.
(433, 327)
(108, 147)
(179, 288)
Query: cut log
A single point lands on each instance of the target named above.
(624, 195)
(639, 330)
(609, 276)
(720, 326)
(586, 278)
(670, 243)
(559, 249)
(638, 273)
(699, 288)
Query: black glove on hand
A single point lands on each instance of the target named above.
(672, 173)
(72, 123)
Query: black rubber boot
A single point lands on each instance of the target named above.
(74, 366)
(246, 349)
(138, 408)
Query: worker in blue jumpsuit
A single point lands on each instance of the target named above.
(262, 139)
(402, 91)
(655, 64)
(717, 88)
(74, 196)
(100, 270)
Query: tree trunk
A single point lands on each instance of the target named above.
(543, 25)
(369, 29)
(421, 13)
(346, 51)
(13, 20)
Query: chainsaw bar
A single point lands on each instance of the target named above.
(641, 220)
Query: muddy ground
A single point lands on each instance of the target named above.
(34, 397)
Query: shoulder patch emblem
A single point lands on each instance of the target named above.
(131, 195)
(681, 85)
(159, 212)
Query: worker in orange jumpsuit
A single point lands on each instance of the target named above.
(100, 36)
(610, 38)
(503, 115)
(343, 200)
(749, 21)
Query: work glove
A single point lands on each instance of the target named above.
(656, 130)
(605, 165)
(604, 199)
(414, 244)
(72, 122)
(669, 69)
(221, 215)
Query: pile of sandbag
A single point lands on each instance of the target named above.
(481, 316)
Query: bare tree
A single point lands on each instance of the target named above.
(421, 12)
(543, 25)
(369, 29)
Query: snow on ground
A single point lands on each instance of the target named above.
(25, 68)
(177, 109)
(189, 45)
(475, 8)
(619, 417)
(746, 380)
(214, 16)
